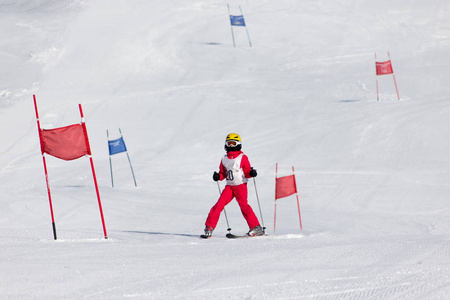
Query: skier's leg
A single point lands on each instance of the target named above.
(241, 194)
(214, 213)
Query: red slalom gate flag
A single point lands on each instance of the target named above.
(384, 68)
(66, 143)
(285, 186)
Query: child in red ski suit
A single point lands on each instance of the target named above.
(236, 169)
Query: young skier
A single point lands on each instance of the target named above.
(236, 169)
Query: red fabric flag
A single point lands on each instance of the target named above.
(384, 68)
(66, 143)
(285, 186)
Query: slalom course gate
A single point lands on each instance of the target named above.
(385, 68)
(115, 147)
(285, 186)
(238, 21)
(67, 143)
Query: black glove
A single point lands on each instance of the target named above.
(253, 173)
(216, 176)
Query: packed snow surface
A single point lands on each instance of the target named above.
(373, 176)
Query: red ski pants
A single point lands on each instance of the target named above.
(233, 191)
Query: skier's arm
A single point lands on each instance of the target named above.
(246, 167)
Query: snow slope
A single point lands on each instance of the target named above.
(373, 177)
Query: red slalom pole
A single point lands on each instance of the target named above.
(45, 169)
(393, 76)
(376, 76)
(298, 202)
(275, 214)
(93, 171)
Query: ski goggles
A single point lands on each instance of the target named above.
(232, 143)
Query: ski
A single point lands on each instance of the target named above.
(233, 236)
(204, 236)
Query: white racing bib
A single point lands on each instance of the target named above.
(235, 174)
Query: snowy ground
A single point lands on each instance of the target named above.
(373, 177)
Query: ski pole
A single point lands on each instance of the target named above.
(259, 205)
(224, 210)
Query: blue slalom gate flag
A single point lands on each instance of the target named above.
(237, 20)
(117, 146)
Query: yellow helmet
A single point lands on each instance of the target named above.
(233, 136)
(233, 142)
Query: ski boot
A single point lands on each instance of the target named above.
(258, 230)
